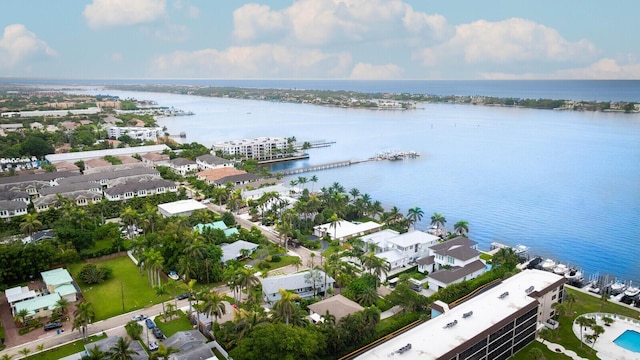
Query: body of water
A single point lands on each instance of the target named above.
(566, 184)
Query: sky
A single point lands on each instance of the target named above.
(320, 39)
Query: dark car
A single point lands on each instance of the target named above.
(183, 296)
(52, 326)
(150, 324)
(158, 333)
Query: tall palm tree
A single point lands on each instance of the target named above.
(438, 220)
(30, 224)
(121, 350)
(334, 222)
(83, 316)
(286, 306)
(314, 180)
(297, 262)
(214, 305)
(461, 228)
(129, 216)
(414, 215)
(354, 193)
(63, 305)
(162, 290)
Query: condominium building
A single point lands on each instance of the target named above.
(262, 148)
(137, 133)
(493, 325)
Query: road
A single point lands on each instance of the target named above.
(115, 326)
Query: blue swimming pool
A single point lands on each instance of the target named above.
(629, 340)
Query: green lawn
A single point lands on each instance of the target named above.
(66, 350)
(180, 323)
(332, 250)
(107, 297)
(523, 354)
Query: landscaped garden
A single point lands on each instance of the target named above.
(179, 322)
(125, 291)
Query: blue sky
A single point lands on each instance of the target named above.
(320, 39)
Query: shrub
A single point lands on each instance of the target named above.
(92, 274)
(276, 258)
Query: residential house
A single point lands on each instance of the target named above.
(97, 154)
(155, 159)
(134, 188)
(40, 306)
(337, 305)
(211, 175)
(236, 180)
(191, 344)
(18, 294)
(343, 230)
(15, 196)
(34, 182)
(9, 209)
(60, 281)
(233, 251)
(81, 194)
(220, 225)
(108, 179)
(105, 345)
(66, 166)
(126, 165)
(301, 283)
(209, 161)
(182, 166)
(180, 208)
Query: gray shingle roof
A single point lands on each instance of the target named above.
(460, 240)
(135, 186)
(427, 260)
(181, 162)
(13, 195)
(71, 187)
(449, 276)
(47, 176)
(237, 178)
(213, 160)
(460, 252)
(112, 175)
(12, 205)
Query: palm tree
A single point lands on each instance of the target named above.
(6, 357)
(21, 315)
(354, 193)
(24, 351)
(30, 224)
(286, 306)
(83, 316)
(63, 305)
(129, 216)
(461, 228)
(214, 305)
(334, 222)
(297, 262)
(164, 351)
(414, 215)
(583, 322)
(506, 257)
(292, 185)
(302, 180)
(438, 220)
(162, 290)
(597, 331)
(121, 350)
(314, 180)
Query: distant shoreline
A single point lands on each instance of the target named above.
(378, 101)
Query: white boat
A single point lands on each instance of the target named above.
(632, 291)
(560, 269)
(618, 287)
(574, 275)
(548, 265)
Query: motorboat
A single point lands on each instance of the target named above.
(618, 287)
(560, 269)
(632, 291)
(548, 265)
(574, 276)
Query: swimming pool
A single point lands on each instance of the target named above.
(629, 340)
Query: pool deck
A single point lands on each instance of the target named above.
(606, 348)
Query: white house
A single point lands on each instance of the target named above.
(234, 250)
(134, 132)
(182, 166)
(209, 161)
(306, 284)
(180, 208)
(344, 230)
(400, 249)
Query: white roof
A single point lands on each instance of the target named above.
(19, 293)
(181, 206)
(432, 339)
(272, 284)
(232, 251)
(94, 154)
(391, 255)
(380, 238)
(345, 228)
(257, 193)
(411, 238)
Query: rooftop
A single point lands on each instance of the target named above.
(272, 284)
(232, 251)
(83, 155)
(338, 306)
(181, 206)
(56, 277)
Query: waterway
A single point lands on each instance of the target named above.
(566, 184)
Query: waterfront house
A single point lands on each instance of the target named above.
(211, 175)
(182, 166)
(344, 230)
(301, 283)
(236, 180)
(209, 161)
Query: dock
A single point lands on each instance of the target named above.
(318, 167)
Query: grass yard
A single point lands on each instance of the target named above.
(179, 323)
(107, 297)
(66, 350)
(548, 354)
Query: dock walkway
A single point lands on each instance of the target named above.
(318, 167)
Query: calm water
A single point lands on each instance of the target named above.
(566, 184)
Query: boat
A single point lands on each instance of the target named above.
(618, 287)
(548, 265)
(632, 291)
(173, 275)
(560, 269)
(574, 276)
(593, 287)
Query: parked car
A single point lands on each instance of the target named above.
(158, 333)
(139, 317)
(183, 296)
(150, 323)
(153, 346)
(52, 326)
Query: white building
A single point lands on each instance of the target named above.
(98, 154)
(182, 166)
(344, 230)
(306, 284)
(180, 208)
(492, 325)
(136, 133)
(262, 148)
(212, 162)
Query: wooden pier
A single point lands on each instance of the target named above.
(318, 167)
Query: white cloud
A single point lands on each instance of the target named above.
(512, 40)
(604, 69)
(319, 22)
(18, 45)
(109, 13)
(363, 71)
(262, 61)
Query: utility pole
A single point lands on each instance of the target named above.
(122, 292)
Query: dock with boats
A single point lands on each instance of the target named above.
(395, 155)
